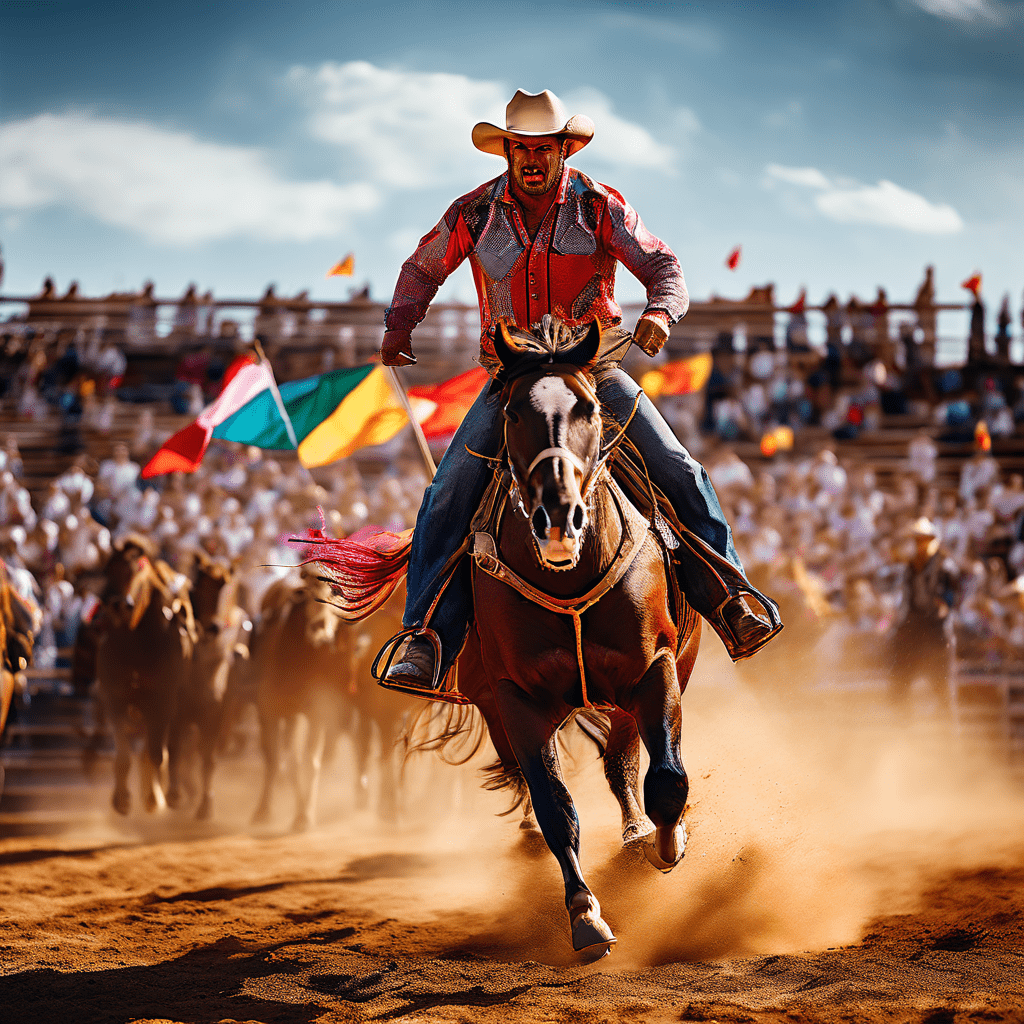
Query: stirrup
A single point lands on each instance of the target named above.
(441, 689)
(770, 608)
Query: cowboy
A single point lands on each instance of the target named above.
(543, 238)
(920, 642)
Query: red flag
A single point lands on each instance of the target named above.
(684, 377)
(343, 268)
(183, 451)
(733, 260)
(801, 303)
(441, 408)
(972, 284)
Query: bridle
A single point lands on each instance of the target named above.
(591, 474)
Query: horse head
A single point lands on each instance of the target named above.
(129, 574)
(210, 577)
(552, 432)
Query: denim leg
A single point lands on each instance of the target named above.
(683, 479)
(443, 522)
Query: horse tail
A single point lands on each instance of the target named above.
(455, 732)
(499, 776)
(362, 570)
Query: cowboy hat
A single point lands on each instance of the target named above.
(532, 114)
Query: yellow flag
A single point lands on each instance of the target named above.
(344, 268)
(369, 414)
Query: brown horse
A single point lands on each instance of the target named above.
(218, 621)
(576, 609)
(145, 637)
(300, 659)
(602, 624)
(18, 624)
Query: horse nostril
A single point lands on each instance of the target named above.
(541, 522)
(577, 518)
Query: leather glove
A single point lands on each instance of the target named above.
(396, 349)
(650, 336)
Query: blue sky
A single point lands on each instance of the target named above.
(843, 144)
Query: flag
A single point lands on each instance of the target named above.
(972, 284)
(680, 378)
(441, 408)
(343, 268)
(733, 259)
(361, 410)
(333, 414)
(801, 303)
(244, 380)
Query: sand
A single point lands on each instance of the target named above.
(840, 867)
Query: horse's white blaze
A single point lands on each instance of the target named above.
(554, 400)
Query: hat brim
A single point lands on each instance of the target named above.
(489, 138)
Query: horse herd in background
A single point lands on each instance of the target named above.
(176, 660)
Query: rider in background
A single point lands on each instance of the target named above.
(543, 238)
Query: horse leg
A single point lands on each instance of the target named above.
(532, 736)
(153, 754)
(270, 746)
(656, 708)
(175, 759)
(306, 763)
(622, 770)
(363, 741)
(208, 734)
(122, 800)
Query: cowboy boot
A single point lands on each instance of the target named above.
(743, 631)
(416, 668)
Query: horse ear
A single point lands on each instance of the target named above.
(584, 352)
(502, 349)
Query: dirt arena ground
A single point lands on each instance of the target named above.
(838, 869)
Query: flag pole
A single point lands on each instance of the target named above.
(421, 439)
(279, 402)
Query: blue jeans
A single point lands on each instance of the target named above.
(454, 496)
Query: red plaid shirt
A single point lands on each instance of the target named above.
(567, 270)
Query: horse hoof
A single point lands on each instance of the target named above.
(301, 824)
(667, 857)
(122, 803)
(205, 810)
(173, 799)
(591, 935)
(637, 830)
(261, 816)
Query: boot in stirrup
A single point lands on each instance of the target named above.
(415, 669)
(743, 632)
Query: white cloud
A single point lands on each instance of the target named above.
(411, 129)
(886, 203)
(166, 185)
(963, 10)
(809, 176)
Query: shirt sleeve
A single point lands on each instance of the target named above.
(439, 252)
(645, 256)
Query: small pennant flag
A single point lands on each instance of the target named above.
(343, 268)
(733, 259)
(801, 303)
(972, 284)
(680, 378)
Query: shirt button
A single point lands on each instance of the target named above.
(534, 296)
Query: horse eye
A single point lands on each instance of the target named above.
(510, 415)
(586, 408)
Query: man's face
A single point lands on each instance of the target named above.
(535, 164)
